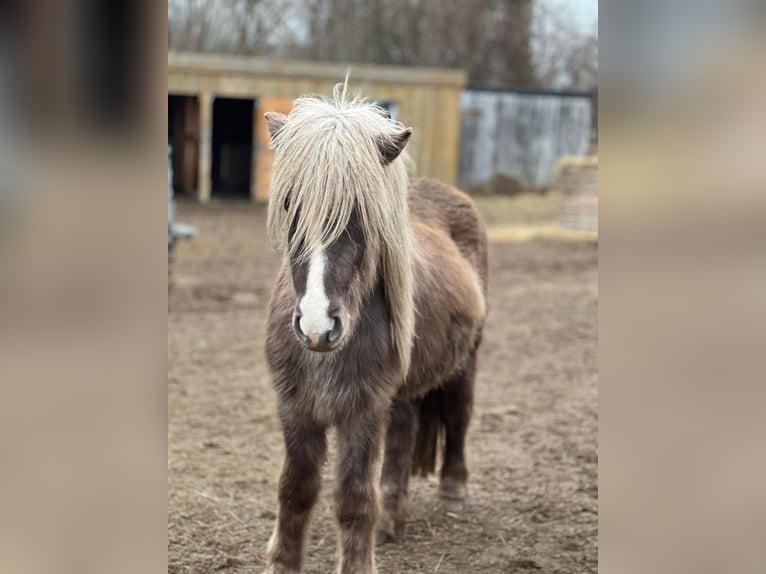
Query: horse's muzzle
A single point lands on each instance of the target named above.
(321, 342)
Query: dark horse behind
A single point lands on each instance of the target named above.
(374, 325)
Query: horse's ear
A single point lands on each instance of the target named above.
(275, 121)
(390, 147)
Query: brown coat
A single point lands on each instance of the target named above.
(359, 388)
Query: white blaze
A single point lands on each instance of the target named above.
(315, 304)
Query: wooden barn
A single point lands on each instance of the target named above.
(220, 140)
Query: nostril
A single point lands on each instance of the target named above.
(337, 329)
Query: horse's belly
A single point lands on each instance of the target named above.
(433, 363)
(450, 311)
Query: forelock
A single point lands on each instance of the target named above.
(326, 165)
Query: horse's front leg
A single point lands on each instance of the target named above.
(299, 485)
(356, 498)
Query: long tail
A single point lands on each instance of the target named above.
(430, 433)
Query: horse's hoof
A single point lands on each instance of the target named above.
(382, 537)
(452, 495)
(452, 505)
(389, 529)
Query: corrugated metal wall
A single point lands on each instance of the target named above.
(520, 134)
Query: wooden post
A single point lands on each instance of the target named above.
(254, 155)
(204, 180)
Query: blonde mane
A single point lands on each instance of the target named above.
(327, 164)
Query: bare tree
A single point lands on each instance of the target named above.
(257, 27)
(503, 42)
(488, 38)
(564, 57)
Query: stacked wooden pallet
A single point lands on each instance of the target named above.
(577, 179)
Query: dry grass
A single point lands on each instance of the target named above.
(528, 217)
(522, 209)
(547, 232)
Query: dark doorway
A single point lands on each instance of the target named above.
(183, 135)
(232, 147)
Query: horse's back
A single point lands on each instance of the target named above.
(443, 207)
(450, 283)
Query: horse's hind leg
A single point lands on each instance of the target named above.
(396, 470)
(456, 412)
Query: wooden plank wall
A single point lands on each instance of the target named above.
(520, 135)
(429, 100)
(185, 145)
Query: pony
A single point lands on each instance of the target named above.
(374, 323)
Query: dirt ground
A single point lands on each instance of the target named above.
(532, 445)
